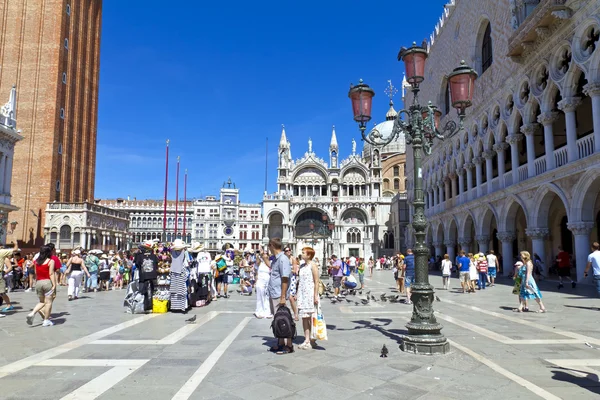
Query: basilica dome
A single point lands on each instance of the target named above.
(385, 130)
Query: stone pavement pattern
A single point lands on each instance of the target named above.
(95, 350)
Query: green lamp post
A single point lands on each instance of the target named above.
(420, 126)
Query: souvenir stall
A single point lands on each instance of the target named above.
(162, 292)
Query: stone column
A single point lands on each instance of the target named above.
(529, 132)
(469, 168)
(489, 169)
(430, 197)
(465, 244)
(440, 186)
(450, 250)
(439, 251)
(453, 184)
(484, 242)
(461, 184)
(569, 106)
(592, 89)
(547, 119)
(514, 140)
(478, 174)
(507, 239)
(84, 240)
(581, 231)
(500, 148)
(538, 244)
(435, 196)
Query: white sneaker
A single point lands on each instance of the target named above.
(47, 322)
(2, 315)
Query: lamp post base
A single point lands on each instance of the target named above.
(426, 344)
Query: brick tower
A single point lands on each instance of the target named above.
(51, 50)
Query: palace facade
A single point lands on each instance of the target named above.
(524, 174)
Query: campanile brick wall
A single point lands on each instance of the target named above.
(34, 55)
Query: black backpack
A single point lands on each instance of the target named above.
(283, 324)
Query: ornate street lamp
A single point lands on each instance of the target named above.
(420, 127)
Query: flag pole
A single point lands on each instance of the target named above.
(176, 197)
(184, 203)
(164, 235)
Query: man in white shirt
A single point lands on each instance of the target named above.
(594, 263)
(352, 263)
(492, 266)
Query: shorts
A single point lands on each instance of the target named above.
(564, 271)
(337, 282)
(222, 278)
(361, 278)
(408, 280)
(274, 304)
(465, 276)
(2, 284)
(597, 282)
(350, 285)
(42, 287)
(492, 272)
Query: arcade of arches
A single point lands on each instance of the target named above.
(538, 221)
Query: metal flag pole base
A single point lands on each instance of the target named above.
(424, 332)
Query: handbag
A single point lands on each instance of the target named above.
(319, 327)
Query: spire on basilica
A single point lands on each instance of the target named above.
(333, 145)
(390, 90)
(283, 142)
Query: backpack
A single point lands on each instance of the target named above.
(345, 269)
(221, 265)
(283, 324)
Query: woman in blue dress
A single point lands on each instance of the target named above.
(529, 289)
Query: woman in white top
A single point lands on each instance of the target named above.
(263, 308)
(446, 270)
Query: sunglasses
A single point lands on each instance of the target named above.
(286, 250)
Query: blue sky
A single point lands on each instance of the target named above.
(218, 78)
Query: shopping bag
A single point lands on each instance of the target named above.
(319, 327)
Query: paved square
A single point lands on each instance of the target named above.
(96, 351)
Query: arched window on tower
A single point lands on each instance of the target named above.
(396, 170)
(396, 184)
(486, 49)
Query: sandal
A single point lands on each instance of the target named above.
(305, 346)
(542, 311)
(286, 350)
(517, 310)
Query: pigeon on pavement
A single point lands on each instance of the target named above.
(191, 320)
(384, 352)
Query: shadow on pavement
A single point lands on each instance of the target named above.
(393, 334)
(583, 308)
(590, 382)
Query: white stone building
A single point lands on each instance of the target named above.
(525, 172)
(146, 218)
(225, 220)
(9, 136)
(347, 193)
(87, 225)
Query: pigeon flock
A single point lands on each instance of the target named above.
(358, 298)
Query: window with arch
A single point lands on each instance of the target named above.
(487, 57)
(396, 184)
(353, 235)
(396, 170)
(386, 184)
(388, 240)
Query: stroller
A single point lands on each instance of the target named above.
(134, 299)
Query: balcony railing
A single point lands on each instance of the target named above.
(585, 146)
(540, 165)
(561, 156)
(508, 180)
(523, 173)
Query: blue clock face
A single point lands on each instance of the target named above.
(229, 199)
(228, 231)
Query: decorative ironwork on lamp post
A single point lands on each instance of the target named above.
(420, 127)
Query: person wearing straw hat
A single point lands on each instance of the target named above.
(179, 276)
(203, 269)
(147, 264)
(104, 273)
